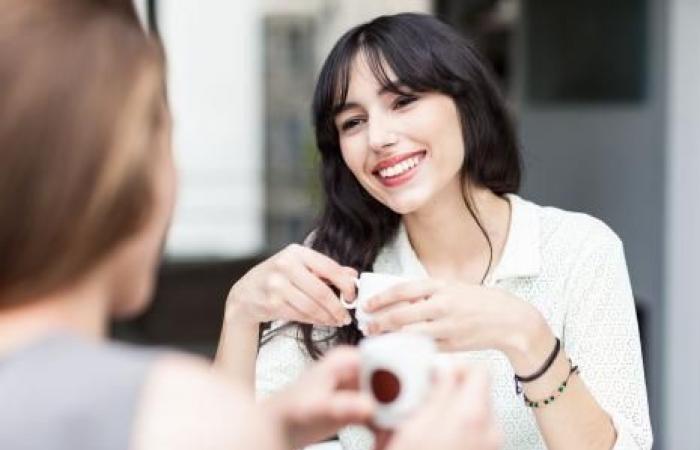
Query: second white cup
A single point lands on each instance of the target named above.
(396, 369)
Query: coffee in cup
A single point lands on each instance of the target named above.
(396, 370)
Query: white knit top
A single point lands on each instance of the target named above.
(572, 268)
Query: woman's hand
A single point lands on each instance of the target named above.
(457, 415)
(293, 285)
(462, 316)
(325, 398)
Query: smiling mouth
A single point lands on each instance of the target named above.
(401, 167)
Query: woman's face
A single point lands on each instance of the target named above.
(403, 149)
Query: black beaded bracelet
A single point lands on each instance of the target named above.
(545, 367)
(554, 395)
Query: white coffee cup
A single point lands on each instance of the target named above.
(368, 285)
(396, 369)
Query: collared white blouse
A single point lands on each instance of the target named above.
(572, 268)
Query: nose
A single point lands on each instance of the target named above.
(381, 133)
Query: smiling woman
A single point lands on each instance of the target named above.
(413, 99)
(420, 168)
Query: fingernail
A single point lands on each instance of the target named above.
(341, 319)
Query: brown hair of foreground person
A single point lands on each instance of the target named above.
(75, 158)
(87, 187)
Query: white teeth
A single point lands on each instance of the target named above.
(400, 167)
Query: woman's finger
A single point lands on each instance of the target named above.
(318, 291)
(382, 437)
(307, 308)
(402, 315)
(434, 329)
(341, 277)
(409, 291)
(341, 366)
(284, 311)
(348, 407)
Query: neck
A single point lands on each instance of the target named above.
(81, 309)
(447, 239)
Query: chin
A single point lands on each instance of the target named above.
(406, 204)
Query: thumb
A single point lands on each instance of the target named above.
(342, 366)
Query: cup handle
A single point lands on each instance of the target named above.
(345, 303)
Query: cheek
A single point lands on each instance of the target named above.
(353, 156)
(456, 155)
(450, 139)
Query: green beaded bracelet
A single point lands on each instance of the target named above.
(560, 390)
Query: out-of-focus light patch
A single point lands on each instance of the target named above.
(141, 10)
(214, 84)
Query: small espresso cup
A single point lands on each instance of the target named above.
(368, 285)
(396, 370)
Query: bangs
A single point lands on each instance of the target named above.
(411, 68)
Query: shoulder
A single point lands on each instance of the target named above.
(93, 383)
(110, 371)
(562, 231)
(186, 404)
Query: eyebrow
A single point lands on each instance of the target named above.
(383, 90)
(344, 107)
(393, 88)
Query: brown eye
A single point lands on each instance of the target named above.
(349, 124)
(386, 386)
(404, 100)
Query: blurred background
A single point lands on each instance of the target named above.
(607, 99)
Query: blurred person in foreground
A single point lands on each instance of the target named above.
(87, 188)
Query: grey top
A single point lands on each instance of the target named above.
(65, 393)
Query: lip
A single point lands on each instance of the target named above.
(404, 177)
(395, 160)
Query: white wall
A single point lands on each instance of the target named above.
(214, 80)
(682, 393)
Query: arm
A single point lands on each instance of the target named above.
(289, 286)
(602, 336)
(238, 346)
(462, 317)
(185, 405)
(574, 420)
(606, 405)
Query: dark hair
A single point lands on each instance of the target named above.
(426, 55)
(81, 101)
